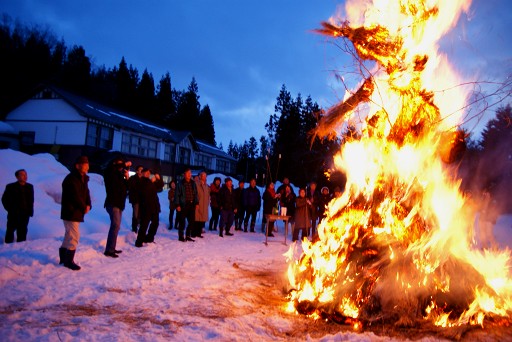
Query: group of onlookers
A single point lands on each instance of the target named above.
(189, 203)
(304, 210)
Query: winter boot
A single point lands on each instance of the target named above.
(69, 260)
(62, 255)
(252, 227)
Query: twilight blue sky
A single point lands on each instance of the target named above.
(241, 52)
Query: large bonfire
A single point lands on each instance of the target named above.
(397, 246)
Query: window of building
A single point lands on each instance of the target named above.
(203, 160)
(139, 146)
(170, 153)
(223, 166)
(184, 156)
(99, 136)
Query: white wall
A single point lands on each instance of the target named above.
(54, 121)
(45, 110)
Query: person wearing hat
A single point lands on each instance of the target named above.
(75, 203)
(116, 186)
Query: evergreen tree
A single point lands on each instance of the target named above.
(188, 109)
(77, 70)
(146, 98)
(264, 146)
(498, 130)
(252, 148)
(126, 86)
(205, 129)
(103, 85)
(165, 101)
(233, 150)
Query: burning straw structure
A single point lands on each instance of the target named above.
(397, 247)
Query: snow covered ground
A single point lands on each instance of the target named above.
(219, 289)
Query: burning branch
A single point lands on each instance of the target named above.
(327, 124)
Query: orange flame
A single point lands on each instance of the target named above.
(398, 241)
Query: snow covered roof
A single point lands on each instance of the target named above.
(6, 128)
(94, 110)
(211, 149)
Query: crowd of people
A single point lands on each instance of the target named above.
(191, 200)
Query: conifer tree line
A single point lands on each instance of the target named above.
(30, 56)
(487, 163)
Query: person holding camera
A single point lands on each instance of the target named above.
(116, 185)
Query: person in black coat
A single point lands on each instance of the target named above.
(228, 207)
(186, 201)
(149, 207)
(75, 203)
(270, 199)
(133, 196)
(116, 186)
(18, 201)
(252, 204)
(240, 205)
(287, 200)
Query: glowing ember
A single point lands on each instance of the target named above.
(396, 246)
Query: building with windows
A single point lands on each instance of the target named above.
(67, 125)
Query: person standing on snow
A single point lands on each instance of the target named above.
(116, 186)
(252, 204)
(270, 199)
(214, 203)
(149, 207)
(228, 207)
(75, 203)
(172, 207)
(203, 197)
(239, 204)
(302, 216)
(18, 201)
(186, 201)
(133, 196)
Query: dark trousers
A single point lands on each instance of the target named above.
(296, 231)
(188, 212)
(148, 228)
(172, 223)
(214, 220)
(313, 226)
(135, 217)
(250, 212)
(115, 224)
(198, 228)
(239, 218)
(227, 218)
(18, 224)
